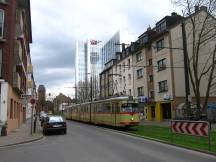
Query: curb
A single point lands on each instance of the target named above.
(165, 142)
(22, 142)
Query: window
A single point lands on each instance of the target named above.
(161, 64)
(151, 78)
(129, 92)
(124, 79)
(139, 73)
(163, 86)
(152, 94)
(1, 23)
(123, 67)
(150, 61)
(160, 44)
(120, 81)
(161, 27)
(11, 109)
(140, 91)
(145, 39)
(139, 57)
(120, 68)
(128, 63)
(15, 110)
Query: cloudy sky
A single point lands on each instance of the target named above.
(56, 25)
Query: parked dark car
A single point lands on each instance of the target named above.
(54, 123)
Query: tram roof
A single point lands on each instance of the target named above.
(108, 99)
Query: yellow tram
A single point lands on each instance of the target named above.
(118, 112)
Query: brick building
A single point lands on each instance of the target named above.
(15, 37)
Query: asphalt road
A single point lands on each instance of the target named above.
(88, 143)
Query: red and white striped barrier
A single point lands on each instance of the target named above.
(197, 128)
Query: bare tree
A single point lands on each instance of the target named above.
(201, 40)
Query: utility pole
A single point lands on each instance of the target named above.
(186, 68)
(91, 90)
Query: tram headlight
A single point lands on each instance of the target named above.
(132, 119)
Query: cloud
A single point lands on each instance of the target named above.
(57, 24)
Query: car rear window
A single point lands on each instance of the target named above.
(55, 119)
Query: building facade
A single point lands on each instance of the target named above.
(87, 68)
(15, 37)
(41, 106)
(158, 68)
(60, 102)
(91, 57)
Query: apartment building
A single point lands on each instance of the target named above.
(168, 66)
(30, 87)
(107, 80)
(157, 67)
(15, 37)
(123, 73)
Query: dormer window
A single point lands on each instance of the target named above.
(127, 51)
(145, 39)
(161, 27)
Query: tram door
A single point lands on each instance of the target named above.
(114, 110)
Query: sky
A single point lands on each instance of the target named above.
(56, 25)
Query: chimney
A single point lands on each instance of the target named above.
(149, 28)
(204, 8)
(173, 14)
(196, 8)
(123, 46)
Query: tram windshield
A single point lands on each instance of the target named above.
(130, 107)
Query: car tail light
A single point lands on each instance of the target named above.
(49, 125)
(64, 124)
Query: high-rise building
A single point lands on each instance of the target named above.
(91, 56)
(87, 68)
(111, 47)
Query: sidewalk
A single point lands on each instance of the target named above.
(21, 135)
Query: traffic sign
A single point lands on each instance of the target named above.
(32, 101)
(197, 128)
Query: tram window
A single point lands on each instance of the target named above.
(129, 107)
(100, 107)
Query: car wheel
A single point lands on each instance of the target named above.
(65, 131)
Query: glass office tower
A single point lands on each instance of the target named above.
(87, 67)
(91, 55)
(110, 48)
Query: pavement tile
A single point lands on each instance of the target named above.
(21, 135)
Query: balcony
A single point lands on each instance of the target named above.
(16, 81)
(30, 69)
(29, 84)
(18, 53)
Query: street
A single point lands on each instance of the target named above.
(95, 144)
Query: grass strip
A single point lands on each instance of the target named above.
(164, 134)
